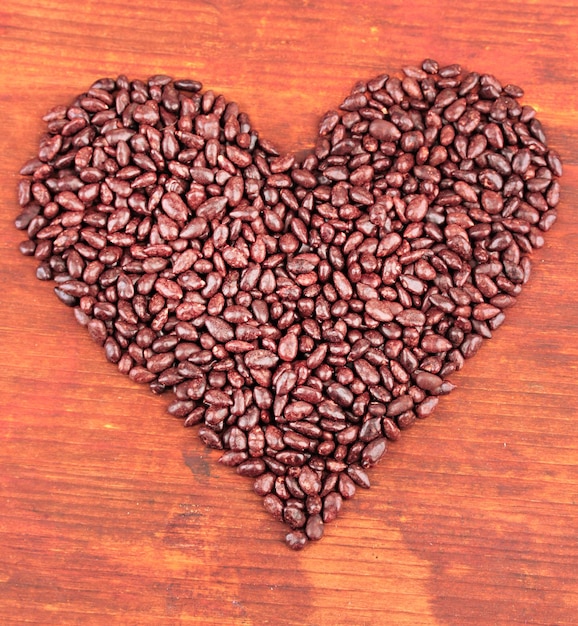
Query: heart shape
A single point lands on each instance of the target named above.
(303, 313)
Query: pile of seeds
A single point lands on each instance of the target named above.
(302, 313)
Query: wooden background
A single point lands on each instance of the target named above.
(111, 513)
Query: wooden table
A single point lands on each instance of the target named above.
(113, 513)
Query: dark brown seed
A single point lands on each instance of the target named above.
(340, 394)
(314, 527)
(288, 347)
(428, 381)
(264, 484)
(379, 310)
(368, 374)
(294, 516)
(309, 481)
(273, 505)
(359, 476)
(232, 458)
(407, 418)
(383, 130)
(399, 405)
(435, 343)
(257, 359)
(252, 468)
(471, 345)
(417, 208)
(373, 452)
(346, 486)
(332, 504)
(209, 437)
(296, 411)
(296, 540)
(219, 329)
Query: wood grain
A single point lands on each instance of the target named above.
(112, 513)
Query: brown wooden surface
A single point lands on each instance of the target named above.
(110, 512)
